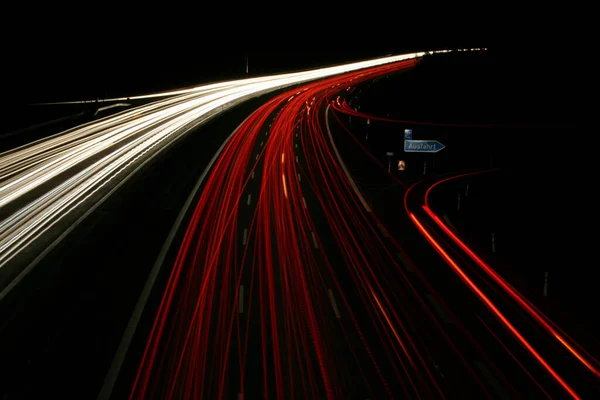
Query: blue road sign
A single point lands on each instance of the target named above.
(408, 134)
(422, 146)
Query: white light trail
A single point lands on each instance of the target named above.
(81, 162)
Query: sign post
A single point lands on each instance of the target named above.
(421, 146)
(389, 154)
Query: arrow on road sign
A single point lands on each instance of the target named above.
(422, 146)
(408, 134)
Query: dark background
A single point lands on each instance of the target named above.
(51, 70)
(90, 50)
(57, 73)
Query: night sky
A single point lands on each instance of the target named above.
(82, 74)
(66, 57)
(64, 53)
(62, 73)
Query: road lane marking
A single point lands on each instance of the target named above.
(404, 262)
(299, 179)
(252, 176)
(245, 238)
(440, 310)
(492, 380)
(314, 237)
(449, 223)
(296, 158)
(249, 198)
(383, 231)
(304, 202)
(334, 304)
(257, 157)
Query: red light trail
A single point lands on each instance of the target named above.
(320, 315)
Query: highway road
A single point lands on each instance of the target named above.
(83, 215)
(298, 267)
(289, 285)
(293, 283)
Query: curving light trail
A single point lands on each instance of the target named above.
(578, 352)
(44, 181)
(575, 350)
